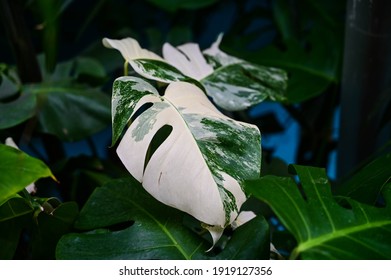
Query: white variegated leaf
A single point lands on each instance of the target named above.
(232, 83)
(200, 166)
(237, 84)
(189, 59)
(146, 63)
(130, 49)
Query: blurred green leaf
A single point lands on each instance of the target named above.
(140, 227)
(17, 111)
(312, 63)
(50, 227)
(89, 70)
(174, 5)
(84, 70)
(18, 170)
(366, 184)
(179, 35)
(311, 70)
(71, 111)
(322, 228)
(14, 207)
(10, 232)
(283, 17)
(9, 82)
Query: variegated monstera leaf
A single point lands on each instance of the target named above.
(199, 167)
(232, 83)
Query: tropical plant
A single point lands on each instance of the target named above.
(191, 182)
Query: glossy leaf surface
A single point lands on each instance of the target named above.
(367, 183)
(323, 228)
(18, 170)
(125, 222)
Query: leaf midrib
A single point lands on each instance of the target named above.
(306, 245)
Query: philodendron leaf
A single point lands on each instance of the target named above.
(199, 166)
(232, 83)
(125, 222)
(18, 170)
(323, 228)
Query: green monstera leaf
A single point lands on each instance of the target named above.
(18, 170)
(232, 83)
(122, 221)
(203, 158)
(322, 227)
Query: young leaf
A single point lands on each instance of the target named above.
(18, 170)
(125, 222)
(323, 228)
(312, 68)
(199, 167)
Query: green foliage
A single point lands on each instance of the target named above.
(318, 67)
(18, 170)
(367, 183)
(73, 101)
(46, 219)
(66, 98)
(122, 221)
(26, 109)
(323, 228)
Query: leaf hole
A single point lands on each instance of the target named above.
(343, 202)
(141, 110)
(160, 136)
(120, 226)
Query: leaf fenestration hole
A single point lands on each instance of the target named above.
(140, 110)
(160, 136)
(120, 226)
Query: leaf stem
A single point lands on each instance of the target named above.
(126, 66)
